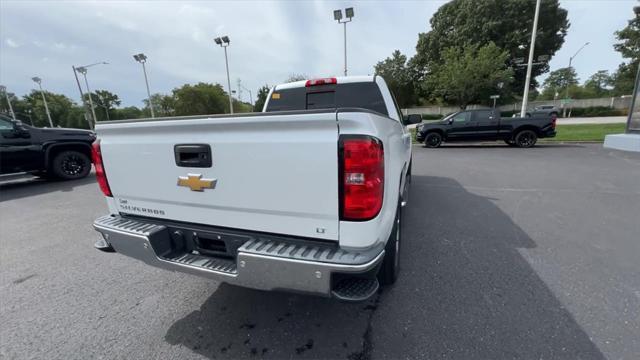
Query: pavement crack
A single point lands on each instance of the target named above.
(367, 342)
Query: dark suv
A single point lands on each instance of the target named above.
(46, 152)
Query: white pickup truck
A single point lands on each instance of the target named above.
(305, 196)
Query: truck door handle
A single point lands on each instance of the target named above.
(193, 155)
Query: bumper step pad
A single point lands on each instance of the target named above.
(355, 289)
(206, 262)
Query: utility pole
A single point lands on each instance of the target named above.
(337, 15)
(83, 70)
(38, 81)
(84, 103)
(525, 97)
(566, 95)
(224, 43)
(142, 59)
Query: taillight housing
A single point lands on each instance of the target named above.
(554, 118)
(101, 176)
(361, 177)
(323, 81)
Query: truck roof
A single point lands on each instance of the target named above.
(339, 79)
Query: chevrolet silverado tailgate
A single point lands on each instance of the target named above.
(276, 173)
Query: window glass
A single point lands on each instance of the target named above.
(5, 125)
(461, 117)
(321, 100)
(365, 95)
(483, 115)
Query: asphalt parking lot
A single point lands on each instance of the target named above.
(507, 253)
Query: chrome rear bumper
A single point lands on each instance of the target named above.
(265, 262)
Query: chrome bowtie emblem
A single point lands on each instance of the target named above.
(195, 182)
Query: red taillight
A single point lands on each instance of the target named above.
(101, 176)
(554, 118)
(362, 177)
(325, 81)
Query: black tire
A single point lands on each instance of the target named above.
(390, 268)
(526, 138)
(510, 142)
(433, 140)
(528, 115)
(71, 165)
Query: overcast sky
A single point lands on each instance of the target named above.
(269, 40)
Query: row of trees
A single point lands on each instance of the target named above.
(198, 99)
(476, 48)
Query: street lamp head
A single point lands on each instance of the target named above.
(337, 15)
(218, 41)
(349, 12)
(225, 39)
(36, 79)
(81, 70)
(140, 57)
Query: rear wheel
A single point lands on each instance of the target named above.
(391, 263)
(433, 140)
(526, 138)
(70, 165)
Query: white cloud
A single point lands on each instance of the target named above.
(12, 43)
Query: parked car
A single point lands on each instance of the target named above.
(486, 124)
(46, 152)
(543, 110)
(306, 196)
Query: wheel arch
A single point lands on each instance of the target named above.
(525, 127)
(55, 148)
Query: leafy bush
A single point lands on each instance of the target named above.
(598, 111)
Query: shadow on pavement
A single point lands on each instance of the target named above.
(30, 186)
(464, 292)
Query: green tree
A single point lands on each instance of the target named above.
(623, 80)
(558, 81)
(129, 112)
(598, 84)
(200, 99)
(508, 24)
(105, 102)
(398, 77)
(60, 108)
(470, 74)
(263, 92)
(163, 105)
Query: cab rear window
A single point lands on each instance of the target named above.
(365, 95)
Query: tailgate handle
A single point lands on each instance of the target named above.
(193, 155)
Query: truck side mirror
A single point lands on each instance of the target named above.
(412, 119)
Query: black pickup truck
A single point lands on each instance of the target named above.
(50, 153)
(486, 124)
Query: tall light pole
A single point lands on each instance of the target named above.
(566, 94)
(4, 90)
(224, 42)
(142, 59)
(38, 81)
(527, 83)
(83, 70)
(84, 102)
(337, 16)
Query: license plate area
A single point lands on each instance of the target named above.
(210, 243)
